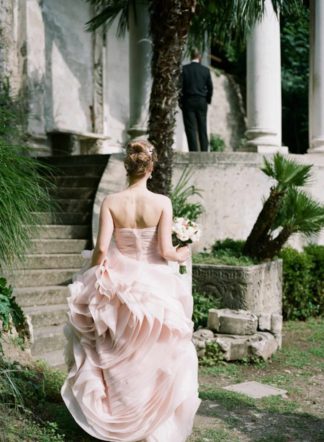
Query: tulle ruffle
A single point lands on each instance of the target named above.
(133, 367)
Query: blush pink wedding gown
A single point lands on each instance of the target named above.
(133, 367)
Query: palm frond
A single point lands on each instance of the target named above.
(225, 21)
(108, 11)
(180, 194)
(299, 212)
(286, 172)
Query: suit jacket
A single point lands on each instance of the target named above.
(195, 81)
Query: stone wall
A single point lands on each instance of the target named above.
(75, 83)
(232, 187)
(226, 113)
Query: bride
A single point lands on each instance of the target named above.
(132, 365)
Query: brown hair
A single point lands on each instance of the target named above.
(140, 155)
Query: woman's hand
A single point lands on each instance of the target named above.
(183, 253)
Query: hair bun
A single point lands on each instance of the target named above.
(139, 156)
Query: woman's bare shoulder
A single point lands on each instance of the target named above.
(112, 197)
(162, 199)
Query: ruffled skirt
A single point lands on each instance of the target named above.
(132, 365)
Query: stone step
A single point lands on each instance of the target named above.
(64, 218)
(75, 181)
(52, 261)
(37, 296)
(88, 160)
(48, 246)
(75, 192)
(74, 205)
(47, 339)
(47, 315)
(80, 170)
(55, 231)
(54, 359)
(46, 277)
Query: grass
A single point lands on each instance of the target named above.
(40, 414)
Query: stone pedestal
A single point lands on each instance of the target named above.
(264, 85)
(316, 77)
(140, 81)
(257, 288)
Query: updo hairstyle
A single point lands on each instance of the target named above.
(140, 155)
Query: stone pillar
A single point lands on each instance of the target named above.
(264, 85)
(140, 81)
(316, 77)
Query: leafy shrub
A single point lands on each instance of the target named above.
(316, 253)
(202, 304)
(11, 314)
(217, 144)
(180, 194)
(298, 297)
(213, 355)
(230, 252)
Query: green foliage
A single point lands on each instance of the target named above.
(225, 252)
(217, 144)
(213, 355)
(23, 186)
(294, 78)
(232, 20)
(107, 11)
(287, 209)
(298, 298)
(316, 253)
(230, 252)
(299, 213)
(286, 172)
(180, 194)
(201, 305)
(11, 314)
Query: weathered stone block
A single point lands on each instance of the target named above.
(234, 347)
(263, 345)
(257, 288)
(276, 323)
(264, 322)
(203, 334)
(236, 322)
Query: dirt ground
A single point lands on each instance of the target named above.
(297, 368)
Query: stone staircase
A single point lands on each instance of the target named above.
(41, 283)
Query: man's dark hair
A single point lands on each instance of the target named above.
(194, 53)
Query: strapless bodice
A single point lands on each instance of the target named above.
(139, 244)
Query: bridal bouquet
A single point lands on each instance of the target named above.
(184, 232)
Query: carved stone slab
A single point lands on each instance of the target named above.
(257, 288)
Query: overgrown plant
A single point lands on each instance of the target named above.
(286, 211)
(24, 188)
(180, 195)
(11, 314)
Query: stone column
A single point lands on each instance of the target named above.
(140, 82)
(264, 85)
(316, 77)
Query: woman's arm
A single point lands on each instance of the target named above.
(167, 250)
(106, 227)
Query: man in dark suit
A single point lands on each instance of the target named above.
(195, 95)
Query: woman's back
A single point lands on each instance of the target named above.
(136, 208)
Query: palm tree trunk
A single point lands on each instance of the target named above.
(260, 230)
(271, 248)
(170, 22)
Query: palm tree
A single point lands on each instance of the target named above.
(170, 26)
(287, 210)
